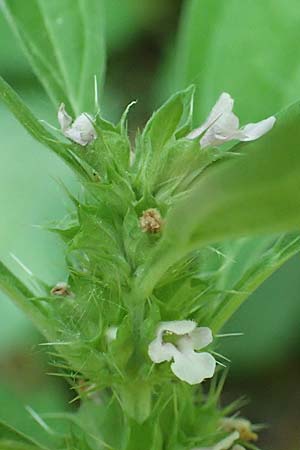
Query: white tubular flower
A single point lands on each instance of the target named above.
(224, 444)
(187, 364)
(80, 131)
(222, 125)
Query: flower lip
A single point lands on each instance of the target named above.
(187, 365)
(80, 131)
(222, 125)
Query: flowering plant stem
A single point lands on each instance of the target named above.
(150, 249)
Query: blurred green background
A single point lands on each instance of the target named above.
(249, 48)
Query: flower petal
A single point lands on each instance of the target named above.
(223, 130)
(201, 337)
(160, 352)
(178, 327)
(82, 130)
(223, 105)
(63, 117)
(193, 367)
(227, 443)
(224, 444)
(254, 131)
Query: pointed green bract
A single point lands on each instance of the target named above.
(64, 42)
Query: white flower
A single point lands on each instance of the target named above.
(224, 444)
(187, 364)
(222, 125)
(80, 131)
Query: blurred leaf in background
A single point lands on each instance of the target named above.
(125, 21)
(249, 49)
(61, 57)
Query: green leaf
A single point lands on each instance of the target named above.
(214, 51)
(160, 132)
(165, 121)
(38, 131)
(12, 439)
(265, 264)
(64, 43)
(21, 295)
(136, 400)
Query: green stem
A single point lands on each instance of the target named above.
(20, 295)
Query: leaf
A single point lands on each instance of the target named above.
(160, 131)
(215, 53)
(265, 264)
(21, 295)
(165, 121)
(12, 439)
(254, 192)
(136, 400)
(37, 130)
(64, 43)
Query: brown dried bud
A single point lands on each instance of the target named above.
(61, 289)
(151, 221)
(243, 426)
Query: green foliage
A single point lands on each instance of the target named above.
(126, 20)
(12, 439)
(22, 297)
(64, 42)
(228, 45)
(125, 278)
(37, 130)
